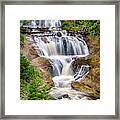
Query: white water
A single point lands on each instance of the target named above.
(46, 23)
(61, 51)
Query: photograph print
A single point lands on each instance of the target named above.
(59, 59)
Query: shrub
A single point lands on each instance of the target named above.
(32, 87)
(93, 26)
(22, 39)
(24, 22)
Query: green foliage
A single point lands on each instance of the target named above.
(24, 22)
(93, 26)
(22, 39)
(32, 87)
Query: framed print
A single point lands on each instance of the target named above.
(60, 60)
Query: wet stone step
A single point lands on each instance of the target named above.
(64, 96)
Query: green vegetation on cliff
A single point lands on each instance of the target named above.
(93, 26)
(24, 22)
(32, 87)
(22, 39)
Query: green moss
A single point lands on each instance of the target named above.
(32, 87)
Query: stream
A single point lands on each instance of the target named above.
(61, 50)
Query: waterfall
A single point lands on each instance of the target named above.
(46, 24)
(68, 46)
(67, 70)
(61, 50)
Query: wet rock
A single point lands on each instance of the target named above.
(59, 34)
(60, 97)
(65, 96)
(86, 98)
(78, 62)
(44, 40)
(80, 96)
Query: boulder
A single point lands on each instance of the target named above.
(91, 83)
(88, 86)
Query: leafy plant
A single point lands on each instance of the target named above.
(93, 26)
(24, 22)
(22, 39)
(32, 87)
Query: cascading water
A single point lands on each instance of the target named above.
(61, 50)
(46, 24)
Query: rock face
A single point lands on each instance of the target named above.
(44, 67)
(42, 64)
(29, 51)
(91, 83)
(88, 85)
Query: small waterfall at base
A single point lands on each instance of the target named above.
(67, 70)
(61, 50)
